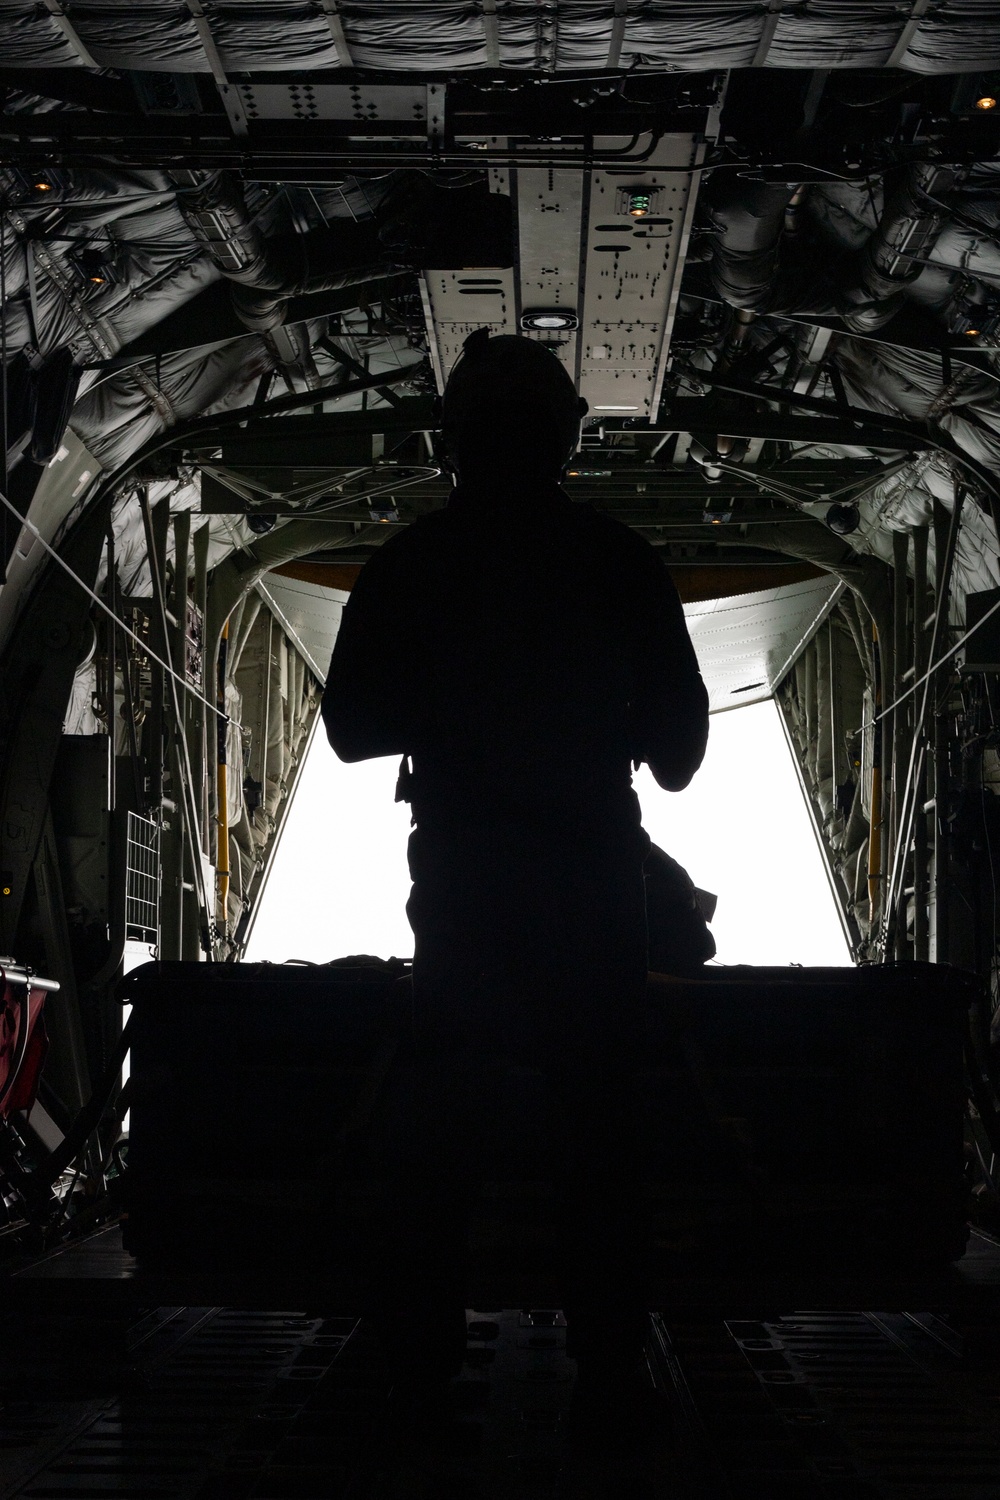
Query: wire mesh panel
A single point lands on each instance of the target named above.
(142, 880)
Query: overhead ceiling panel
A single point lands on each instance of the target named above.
(366, 103)
(456, 303)
(631, 276)
(600, 253)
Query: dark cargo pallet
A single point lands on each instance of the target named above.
(791, 1119)
(98, 1272)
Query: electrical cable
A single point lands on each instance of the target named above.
(989, 851)
(774, 487)
(457, 157)
(114, 585)
(931, 670)
(114, 481)
(4, 393)
(188, 802)
(207, 427)
(313, 509)
(101, 605)
(907, 806)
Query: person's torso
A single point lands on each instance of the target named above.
(522, 645)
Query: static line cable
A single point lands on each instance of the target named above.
(931, 670)
(908, 805)
(189, 807)
(109, 612)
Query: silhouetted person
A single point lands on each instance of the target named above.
(523, 651)
(677, 917)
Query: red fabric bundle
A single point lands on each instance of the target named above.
(23, 1045)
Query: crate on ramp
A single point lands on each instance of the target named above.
(801, 1117)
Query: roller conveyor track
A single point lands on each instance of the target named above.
(226, 1404)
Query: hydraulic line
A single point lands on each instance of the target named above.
(920, 922)
(749, 217)
(266, 272)
(222, 852)
(188, 804)
(946, 656)
(875, 816)
(908, 804)
(896, 722)
(890, 261)
(175, 434)
(146, 648)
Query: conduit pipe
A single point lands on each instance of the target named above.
(222, 850)
(891, 259)
(266, 272)
(875, 877)
(920, 884)
(750, 217)
(947, 530)
(896, 721)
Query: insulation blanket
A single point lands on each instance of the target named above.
(953, 36)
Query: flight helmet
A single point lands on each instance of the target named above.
(510, 405)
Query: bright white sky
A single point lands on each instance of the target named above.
(339, 881)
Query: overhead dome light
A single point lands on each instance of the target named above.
(638, 201)
(986, 102)
(261, 524)
(972, 333)
(843, 518)
(42, 187)
(94, 267)
(549, 320)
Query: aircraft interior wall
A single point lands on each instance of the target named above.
(241, 249)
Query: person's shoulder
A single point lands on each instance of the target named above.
(407, 542)
(613, 536)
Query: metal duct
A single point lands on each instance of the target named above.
(750, 217)
(892, 258)
(266, 272)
